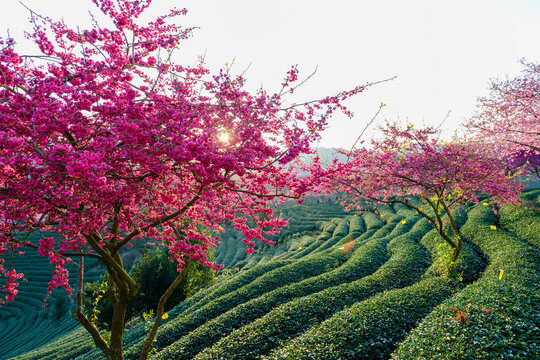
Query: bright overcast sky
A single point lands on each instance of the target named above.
(442, 52)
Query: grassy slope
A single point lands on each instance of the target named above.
(340, 286)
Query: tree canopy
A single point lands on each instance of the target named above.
(105, 139)
(408, 164)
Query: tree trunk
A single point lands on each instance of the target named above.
(117, 328)
(457, 249)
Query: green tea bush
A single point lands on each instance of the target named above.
(405, 266)
(28, 322)
(342, 228)
(498, 316)
(294, 272)
(372, 221)
(368, 329)
(357, 225)
(524, 221)
(364, 260)
(75, 343)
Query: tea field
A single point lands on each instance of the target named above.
(337, 285)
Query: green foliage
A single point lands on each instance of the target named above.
(363, 262)
(294, 272)
(444, 265)
(406, 264)
(495, 317)
(372, 221)
(155, 273)
(98, 291)
(385, 294)
(148, 324)
(29, 322)
(369, 329)
(522, 220)
(61, 305)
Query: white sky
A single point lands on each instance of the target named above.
(442, 52)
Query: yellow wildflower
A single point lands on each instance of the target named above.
(501, 274)
(165, 316)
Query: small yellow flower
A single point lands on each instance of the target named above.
(165, 316)
(403, 222)
(501, 274)
(492, 227)
(300, 248)
(333, 245)
(485, 204)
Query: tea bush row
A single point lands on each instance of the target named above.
(294, 272)
(368, 329)
(406, 264)
(496, 317)
(366, 259)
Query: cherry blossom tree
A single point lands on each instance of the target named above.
(105, 140)
(509, 118)
(411, 164)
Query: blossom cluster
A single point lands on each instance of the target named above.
(106, 140)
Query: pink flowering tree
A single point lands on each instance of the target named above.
(411, 164)
(105, 140)
(509, 118)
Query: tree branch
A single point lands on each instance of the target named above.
(159, 221)
(160, 308)
(94, 332)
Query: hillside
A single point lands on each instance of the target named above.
(335, 286)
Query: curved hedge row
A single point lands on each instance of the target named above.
(297, 271)
(76, 343)
(368, 329)
(521, 220)
(366, 259)
(496, 317)
(205, 296)
(371, 220)
(357, 226)
(406, 264)
(25, 323)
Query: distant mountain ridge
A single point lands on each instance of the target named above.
(327, 156)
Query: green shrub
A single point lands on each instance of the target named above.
(61, 305)
(372, 221)
(369, 329)
(357, 225)
(524, 221)
(498, 316)
(342, 228)
(294, 272)
(406, 264)
(155, 273)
